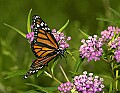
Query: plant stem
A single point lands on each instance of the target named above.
(64, 74)
(56, 80)
(116, 83)
(104, 60)
(112, 69)
(53, 77)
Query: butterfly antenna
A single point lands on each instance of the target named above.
(61, 56)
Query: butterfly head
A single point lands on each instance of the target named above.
(60, 51)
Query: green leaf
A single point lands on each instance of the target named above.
(40, 72)
(78, 64)
(70, 53)
(39, 88)
(74, 73)
(110, 88)
(24, 35)
(31, 91)
(53, 66)
(109, 20)
(15, 73)
(106, 77)
(28, 21)
(61, 29)
(86, 35)
(115, 12)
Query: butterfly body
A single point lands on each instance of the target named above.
(44, 46)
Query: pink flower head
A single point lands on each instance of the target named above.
(88, 83)
(65, 87)
(108, 34)
(30, 37)
(61, 39)
(91, 48)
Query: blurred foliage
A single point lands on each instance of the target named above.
(15, 52)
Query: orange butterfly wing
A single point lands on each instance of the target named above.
(44, 42)
(44, 46)
(39, 64)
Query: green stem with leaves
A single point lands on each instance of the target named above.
(115, 76)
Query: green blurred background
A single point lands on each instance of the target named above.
(15, 52)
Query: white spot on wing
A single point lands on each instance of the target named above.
(41, 67)
(48, 28)
(38, 25)
(42, 24)
(45, 24)
(25, 76)
(33, 71)
(45, 28)
(35, 28)
(37, 17)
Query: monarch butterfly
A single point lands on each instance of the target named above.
(44, 46)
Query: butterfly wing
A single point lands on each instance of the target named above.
(37, 22)
(44, 42)
(39, 64)
(44, 46)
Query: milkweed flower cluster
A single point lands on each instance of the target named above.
(111, 37)
(61, 39)
(65, 87)
(108, 34)
(115, 44)
(86, 83)
(91, 48)
(117, 55)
